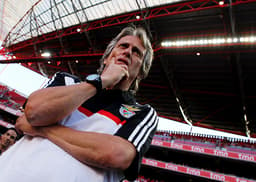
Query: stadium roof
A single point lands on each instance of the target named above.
(30, 18)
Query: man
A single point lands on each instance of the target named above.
(88, 131)
(8, 139)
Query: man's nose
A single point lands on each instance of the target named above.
(128, 52)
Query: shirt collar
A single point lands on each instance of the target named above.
(115, 95)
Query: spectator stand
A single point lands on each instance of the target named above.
(10, 100)
(220, 142)
(199, 157)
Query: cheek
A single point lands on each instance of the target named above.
(110, 57)
(136, 68)
(113, 53)
(138, 65)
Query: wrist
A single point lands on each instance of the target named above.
(96, 81)
(105, 82)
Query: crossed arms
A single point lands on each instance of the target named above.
(96, 149)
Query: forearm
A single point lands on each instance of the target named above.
(50, 105)
(96, 149)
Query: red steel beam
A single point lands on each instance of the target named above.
(167, 10)
(158, 53)
(39, 58)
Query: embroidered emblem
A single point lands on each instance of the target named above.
(131, 108)
(127, 111)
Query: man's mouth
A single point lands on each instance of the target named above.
(123, 61)
(7, 142)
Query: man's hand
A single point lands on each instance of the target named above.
(114, 73)
(23, 126)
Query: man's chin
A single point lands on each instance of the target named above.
(123, 85)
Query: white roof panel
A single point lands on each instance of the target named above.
(49, 15)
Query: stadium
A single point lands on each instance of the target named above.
(202, 77)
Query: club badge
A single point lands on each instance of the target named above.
(128, 111)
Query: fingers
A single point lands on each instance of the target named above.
(23, 126)
(18, 128)
(114, 73)
(124, 72)
(20, 122)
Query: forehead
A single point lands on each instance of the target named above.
(133, 40)
(11, 132)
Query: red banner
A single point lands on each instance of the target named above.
(10, 110)
(204, 150)
(194, 171)
(6, 125)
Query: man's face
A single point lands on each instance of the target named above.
(128, 51)
(8, 138)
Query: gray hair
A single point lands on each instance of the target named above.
(148, 57)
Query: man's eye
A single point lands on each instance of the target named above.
(137, 53)
(123, 45)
